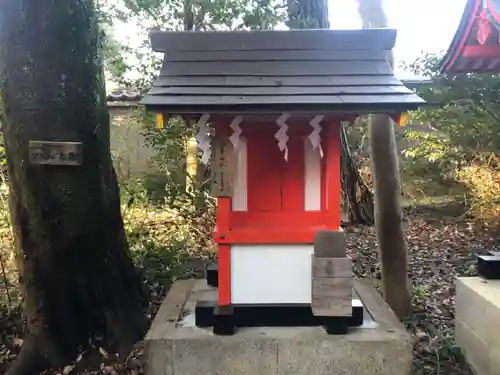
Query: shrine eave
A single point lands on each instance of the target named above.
(326, 108)
(475, 47)
(327, 71)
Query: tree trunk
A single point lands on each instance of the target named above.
(388, 214)
(201, 169)
(308, 14)
(77, 276)
(387, 187)
(356, 197)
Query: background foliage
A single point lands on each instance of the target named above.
(462, 146)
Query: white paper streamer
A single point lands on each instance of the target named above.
(203, 138)
(345, 123)
(315, 136)
(235, 137)
(281, 135)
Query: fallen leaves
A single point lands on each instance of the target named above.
(439, 250)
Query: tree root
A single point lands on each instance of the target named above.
(30, 360)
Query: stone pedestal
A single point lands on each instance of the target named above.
(477, 316)
(175, 346)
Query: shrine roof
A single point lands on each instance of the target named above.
(272, 71)
(476, 44)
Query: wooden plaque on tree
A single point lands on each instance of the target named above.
(222, 167)
(55, 153)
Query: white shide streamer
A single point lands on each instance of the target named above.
(315, 137)
(203, 138)
(345, 123)
(281, 135)
(235, 126)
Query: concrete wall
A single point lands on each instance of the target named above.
(477, 318)
(128, 146)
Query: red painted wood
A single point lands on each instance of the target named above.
(323, 174)
(258, 236)
(224, 274)
(294, 128)
(277, 220)
(332, 174)
(292, 185)
(464, 36)
(222, 128)
(274, 184)
(223, 250)
(486, 50)
(484, 28)
(222, 223)
(265, 169)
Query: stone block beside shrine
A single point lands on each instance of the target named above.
(477, 313)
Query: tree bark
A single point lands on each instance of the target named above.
(308, 14)
(313, 14)
(77, 276)
(388, 214)
(387, 188)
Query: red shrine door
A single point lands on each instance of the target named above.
(274, 185)
(276, 192)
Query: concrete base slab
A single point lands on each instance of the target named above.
(175, 346)
(477, 317)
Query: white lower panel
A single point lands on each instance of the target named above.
(271, 273)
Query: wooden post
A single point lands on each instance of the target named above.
(387, 191)
(332, 174)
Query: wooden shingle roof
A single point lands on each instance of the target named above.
(272, 71)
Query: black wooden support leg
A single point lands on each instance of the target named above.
(223, 322)
(488, 266)
(337, 325)
(204, 314)
(213, 275)
(208, 314)
(356, 320)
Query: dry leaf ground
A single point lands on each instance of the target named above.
(442, 246)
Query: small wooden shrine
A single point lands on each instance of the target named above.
(476, 44)
(268, 106)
